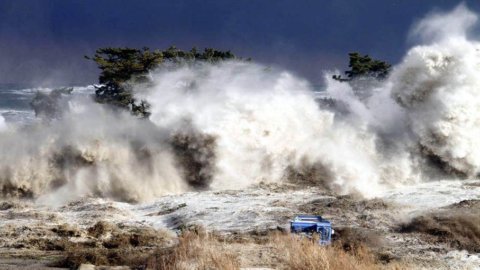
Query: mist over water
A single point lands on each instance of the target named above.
(3, 125)
(438, 86)
(234, 124)
(264, 122)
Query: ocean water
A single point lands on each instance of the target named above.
(15, 100)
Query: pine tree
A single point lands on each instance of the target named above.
(123, 67)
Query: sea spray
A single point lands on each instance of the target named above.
(3, 124)
(439, 86)
(234, 124)
(212, 126)
(91, 151)
(264, 121)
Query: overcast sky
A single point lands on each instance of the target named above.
(43, 42)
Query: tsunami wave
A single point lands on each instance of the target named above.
(234, 124)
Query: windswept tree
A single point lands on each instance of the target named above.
(123, 67)
(119, 65)
(364, 66)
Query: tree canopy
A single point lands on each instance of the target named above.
(122, 66)
(364, 66)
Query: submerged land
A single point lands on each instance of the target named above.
(199, 159)
(237, 229)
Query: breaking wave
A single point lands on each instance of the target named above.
(438, 86)
(234, 124)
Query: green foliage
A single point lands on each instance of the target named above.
(364, 66)
(120, 67)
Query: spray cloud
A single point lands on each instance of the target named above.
(438, 86)
(234, 124)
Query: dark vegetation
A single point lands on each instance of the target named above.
(364, 71)
(48, 106)
(107, 244)
(364, 66)
(121, 67)
(196, 249)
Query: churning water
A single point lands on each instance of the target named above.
(234, 124)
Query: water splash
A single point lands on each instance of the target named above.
(234, 124)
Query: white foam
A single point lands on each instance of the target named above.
(3, 125)
(266, 122)
(434, 194)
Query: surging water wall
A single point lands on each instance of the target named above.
(234, 124)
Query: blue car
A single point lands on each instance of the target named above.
(311, 225)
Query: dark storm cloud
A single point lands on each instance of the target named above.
(43, 42)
